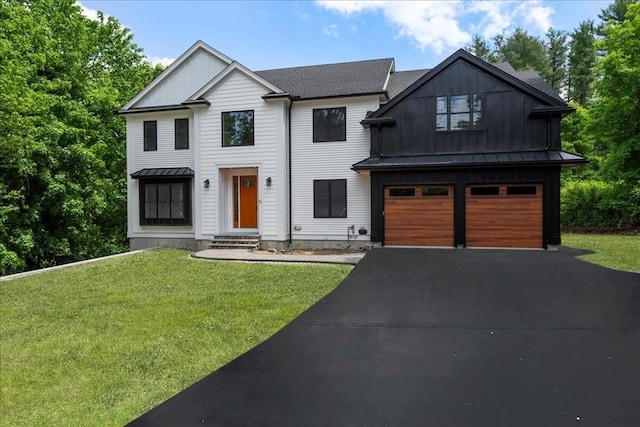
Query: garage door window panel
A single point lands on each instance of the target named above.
(485, 191)
(434, 191)
(402, 192)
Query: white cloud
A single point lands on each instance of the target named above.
(90, 13)
(438, 25)
(331, 30)
(428, 24)
(164, 61)
(493, 19)
(535, 14)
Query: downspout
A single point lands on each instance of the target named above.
(380, 140)
(290, 244)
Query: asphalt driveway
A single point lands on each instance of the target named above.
(425, 337)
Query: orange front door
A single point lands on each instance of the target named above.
(245, 201)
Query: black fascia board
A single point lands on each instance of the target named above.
(546, 111)
(151, 109)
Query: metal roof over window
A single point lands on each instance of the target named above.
(157, 173)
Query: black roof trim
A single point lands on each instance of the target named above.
(441, 161)
(152, 109)
(461, 54)
(199, 101)
(384, 120)
(276, 96)
(544, 111)
(160, 173)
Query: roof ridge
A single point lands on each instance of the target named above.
(326, 65)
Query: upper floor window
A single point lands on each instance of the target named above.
(182, 134)
(237, 128)
(329, 124)
(460, 112)
(330, 198)
(150, 135)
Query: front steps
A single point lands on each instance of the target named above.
(235, 241)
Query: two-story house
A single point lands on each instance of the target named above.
(465, 154)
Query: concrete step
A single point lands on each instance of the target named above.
(235, 242)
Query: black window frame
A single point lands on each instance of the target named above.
(186, 202)
(181, 134)
(329, 200)
(476, 110)
(150, 135)
(253, 127)
(324, 130)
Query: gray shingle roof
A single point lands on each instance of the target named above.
(328, 80)
(400, 80)
(530, 77)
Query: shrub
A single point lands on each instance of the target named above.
(594, 204)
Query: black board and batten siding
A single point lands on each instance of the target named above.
(507, 125)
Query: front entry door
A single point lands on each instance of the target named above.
(245, 201)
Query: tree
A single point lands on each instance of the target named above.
(480, 47)
(582, 58)
(523, 51)
(616, 110)
(613, 14)
(62, 169)
(556, 49)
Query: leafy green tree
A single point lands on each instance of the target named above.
(613, 14)
(62, 166)
(582, 58)
(616, 110)
(556, 50)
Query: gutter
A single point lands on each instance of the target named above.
(290, 191)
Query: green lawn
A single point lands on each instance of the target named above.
(614, 251)
(102, 343)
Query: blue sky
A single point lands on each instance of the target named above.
(265, 34)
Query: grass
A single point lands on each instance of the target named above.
(101, 344)
(614, 251)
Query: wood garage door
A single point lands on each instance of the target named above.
(504, 215)
(418, 216)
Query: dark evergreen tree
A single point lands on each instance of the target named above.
(556, 48)
(582, 58)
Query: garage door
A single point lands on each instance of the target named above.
(504, 216)
(418, 216)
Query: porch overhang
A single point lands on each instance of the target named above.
(163, 173)
(448, 161)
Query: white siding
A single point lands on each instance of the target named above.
(166, 156)
(184, 81)
(235, 93)
(330, 160)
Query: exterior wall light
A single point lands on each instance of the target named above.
(206, 183)
(269, 182)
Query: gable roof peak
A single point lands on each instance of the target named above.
(176, 64)
(534, 88)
